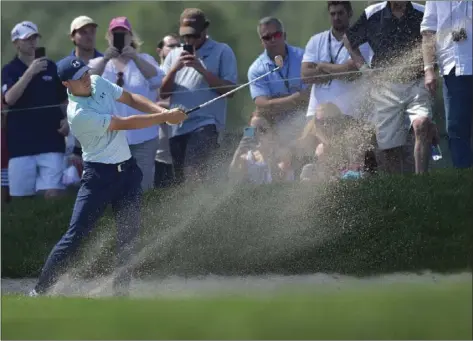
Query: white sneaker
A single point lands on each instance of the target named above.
(33, 293)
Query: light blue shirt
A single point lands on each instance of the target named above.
(191, 88)
(273, 85)
(89, 119)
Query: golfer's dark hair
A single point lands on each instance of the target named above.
(172, 35)
(346, 4)
(270, 21)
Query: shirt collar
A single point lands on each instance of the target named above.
(387, 10)
(96, 53)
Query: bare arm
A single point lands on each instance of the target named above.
(428, 48)
(312, 74)
(167, 86)
(137, 121)
(222, 86)
(139, 102)
(147, 69)
(355, 53)
(274, 107)
(321, 73)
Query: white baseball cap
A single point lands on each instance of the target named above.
(24, 30)
(80, 22)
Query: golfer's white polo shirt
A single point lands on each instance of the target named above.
(89, 119)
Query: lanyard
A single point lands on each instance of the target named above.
(332, 60)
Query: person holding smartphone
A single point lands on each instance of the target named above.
(36, 124)
(124, 65)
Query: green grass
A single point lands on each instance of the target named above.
(387, 311)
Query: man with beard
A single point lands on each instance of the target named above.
(325, 57)
(83, 35)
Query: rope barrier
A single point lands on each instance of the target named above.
(348, 73)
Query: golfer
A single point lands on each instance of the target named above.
(111, 175)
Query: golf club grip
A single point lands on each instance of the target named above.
(230, 92)
(192, 110)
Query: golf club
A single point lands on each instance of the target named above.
(278, 60)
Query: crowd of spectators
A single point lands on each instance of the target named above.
(356, 100)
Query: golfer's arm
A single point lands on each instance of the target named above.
(140, 103)
(355, 53)
(428, 47)
(137, 121)
(219, 85)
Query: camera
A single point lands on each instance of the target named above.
(460, 35)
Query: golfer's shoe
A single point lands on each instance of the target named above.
(33, 293)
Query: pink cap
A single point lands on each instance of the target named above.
(121, 22)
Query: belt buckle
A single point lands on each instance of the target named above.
(120, 168)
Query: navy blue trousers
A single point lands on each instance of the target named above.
(102, 184)
(457, 91)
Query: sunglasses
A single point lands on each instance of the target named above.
(271, 36)
(191, 36)
(120, 80)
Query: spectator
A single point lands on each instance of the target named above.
(36, 125)
(137, 73)
(325, 56)
(280, 94)
(5, 190)
(392, 30)
(168, 43)
(258, 160)
(327, 137)
(447, 42)
(194, 79)
(83, 34)
(164, 169)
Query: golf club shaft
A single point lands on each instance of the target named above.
(232, 91)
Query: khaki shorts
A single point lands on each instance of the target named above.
(396, 106)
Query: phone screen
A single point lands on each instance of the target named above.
(249, 132)
(119, 41)
(39, 52)
(188, 48)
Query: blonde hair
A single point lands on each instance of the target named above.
(323, 111)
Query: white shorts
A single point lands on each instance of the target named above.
(30, 174)
(396, 106)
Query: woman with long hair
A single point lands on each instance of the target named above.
(138, 73)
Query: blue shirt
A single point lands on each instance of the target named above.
(73, 53)
(89, 119)
(274, 85)
(191, 89)
(34, 131)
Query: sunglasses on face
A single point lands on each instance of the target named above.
(271, 36)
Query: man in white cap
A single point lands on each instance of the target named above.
(83, 34)
(36, 124)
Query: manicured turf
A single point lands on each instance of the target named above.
(385, 311)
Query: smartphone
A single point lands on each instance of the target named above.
(39, 52)
(249, 131)
(119, 41)
(188, 48)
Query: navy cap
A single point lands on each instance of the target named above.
(71, 68)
